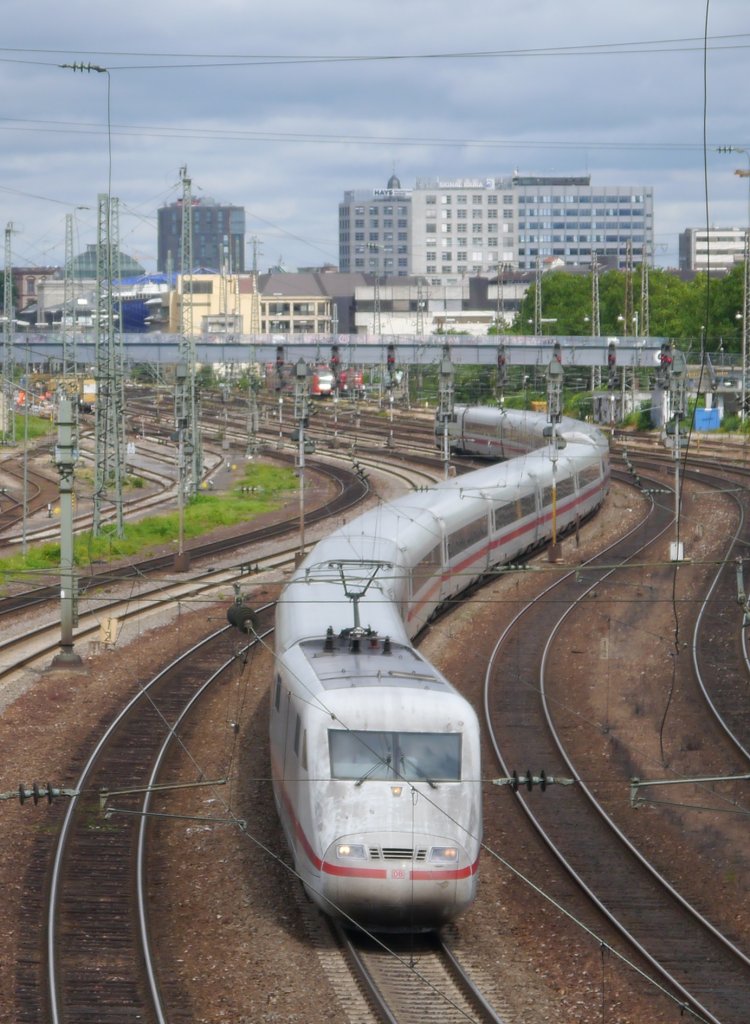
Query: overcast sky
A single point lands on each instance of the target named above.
(280, 107)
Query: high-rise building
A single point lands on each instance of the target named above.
(446, 230)
(218, 236)
(711, 248)
(375, 230)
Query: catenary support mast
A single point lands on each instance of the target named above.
(109, 428)
(186, 412)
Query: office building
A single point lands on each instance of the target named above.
(711, 248)
(218, 237)
(446, 230)
(375, 231)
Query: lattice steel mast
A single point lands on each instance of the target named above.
(68, 320)
(628, 312)
(9, 424)
(109, 420)
(595, 317)
(645, 298)
(745, 322)
(255, 298)
(596, 372)
(186, 403)
(538, 298)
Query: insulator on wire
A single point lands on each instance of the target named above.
(37, 793)
(514, 781)
(242, 618)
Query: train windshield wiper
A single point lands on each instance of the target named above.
(376, 764)
(417, 770)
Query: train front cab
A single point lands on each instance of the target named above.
(418, 869)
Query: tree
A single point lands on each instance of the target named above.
(683, 310)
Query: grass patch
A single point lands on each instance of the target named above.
(261, 489)
(32, 426)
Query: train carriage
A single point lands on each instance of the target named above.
(375, 756)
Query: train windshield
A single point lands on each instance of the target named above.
(412, 756)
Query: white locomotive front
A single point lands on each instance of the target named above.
(377, 782)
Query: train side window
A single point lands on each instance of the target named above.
(589, 475)
(466, 536)
(277, 693)
(527, 504)
(303, 755)
(504, 515)
(565, 487)
(297, 730)
(427, 567)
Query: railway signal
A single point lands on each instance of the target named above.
(502, 369)
(390, 360)
(335, 363)
(279, 367)
(664, 360)
(612, 365)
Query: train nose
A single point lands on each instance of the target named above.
(398, 881)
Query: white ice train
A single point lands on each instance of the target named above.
(375, 756)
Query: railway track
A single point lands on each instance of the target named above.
(706, 970)
(415, 979)
(116, 599)
(99, 1018)
(99, 966)
(351, 489)
(93, 979)
(40, 490)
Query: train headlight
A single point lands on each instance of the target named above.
(347, 851)
(443, 854)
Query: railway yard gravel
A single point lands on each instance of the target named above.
(229, 921)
